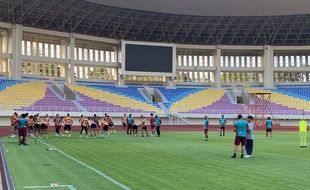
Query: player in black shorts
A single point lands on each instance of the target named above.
(111, 124)
(134, 129)
(105, 127)
(93, 129)
(37, 125)
(96, 120)
(68, 121)
(31, 126)
(14, 120)
(124, 122)
(84, 126)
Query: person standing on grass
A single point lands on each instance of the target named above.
(96, 120)
(111, 124)
(105, 127)
(30, 126)
(124, 122)
(303, 133)
(152, 123)
(37, 127)
(14, 119)
(93, 129)
(84, 126)
(206, 127)
(143, 126)
(68, 124)
(241, 128)
(249, 138)
(134, 129)
(157, 125)
(57, 123)
(222, 122)
(268, 127)
(22, 129)
(130, 122)
(44, 126)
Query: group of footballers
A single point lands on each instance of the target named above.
(244, 130)
(38, 127)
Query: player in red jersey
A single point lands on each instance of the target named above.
(152, 123)
(58, 122)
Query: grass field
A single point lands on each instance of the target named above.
(177, 160)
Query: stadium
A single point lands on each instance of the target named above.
(180, 70)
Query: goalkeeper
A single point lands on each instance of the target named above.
(303, 133)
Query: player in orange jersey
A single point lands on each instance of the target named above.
(105, 127)
(14, 124)
(44, 126)
(84, 126)
(143, 126)
(68, 121)
(124, 122)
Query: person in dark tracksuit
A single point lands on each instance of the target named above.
(157, 125)
(249, 138)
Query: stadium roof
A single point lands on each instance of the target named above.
(215, 7)
(85, 17)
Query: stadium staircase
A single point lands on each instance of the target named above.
(58, 90)
(231, 95)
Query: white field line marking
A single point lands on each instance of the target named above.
(70, 187)
(88, 166)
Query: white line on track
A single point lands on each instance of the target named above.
(88, 166)
(70, 187)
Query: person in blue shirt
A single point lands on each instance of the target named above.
(130, 123)
(157, 125)
(22, 129)
(268, 127)
(206, 127)
(241, 127)
(222, 122)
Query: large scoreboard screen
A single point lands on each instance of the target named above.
(142, 58)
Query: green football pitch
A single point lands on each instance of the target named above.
(177, 160)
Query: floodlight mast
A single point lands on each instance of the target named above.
(258, 105)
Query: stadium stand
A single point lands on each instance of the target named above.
(124, 101)
(197, 100)
(174, 95)
(302, 93)
(93, 105)
(222, 106)
(21, 94)
(50, 102)
(284, 100)
(38, 96)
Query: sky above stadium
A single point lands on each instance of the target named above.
(216, 7)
